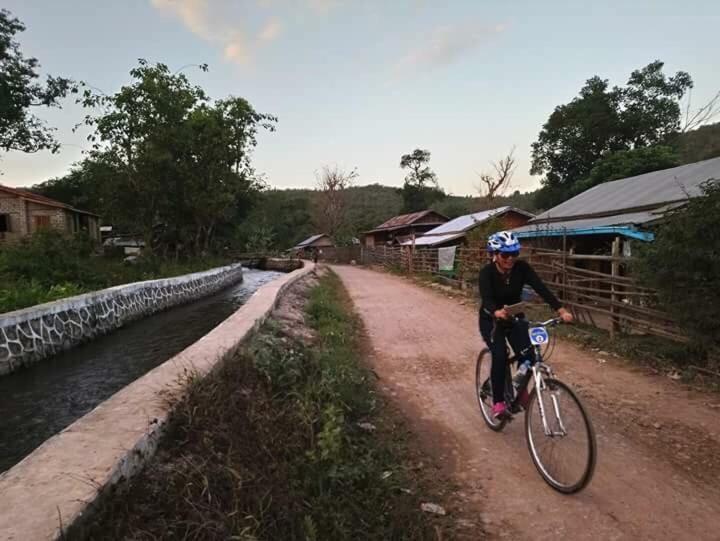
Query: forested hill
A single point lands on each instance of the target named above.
(289, 216)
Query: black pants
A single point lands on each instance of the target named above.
(495, 336)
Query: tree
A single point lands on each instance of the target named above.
(420, 174)
(683, 263)
(628, 163)
(182, 160)
(493, 185)
(603, 120)
(20, 92)
(331, 204)
(420, 189)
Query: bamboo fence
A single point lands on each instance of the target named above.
(599, 289)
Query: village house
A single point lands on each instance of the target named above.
(401, 228)
(317, 242)
(621, 212)
(23, 212)
(455, 232)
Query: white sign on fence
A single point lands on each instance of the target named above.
(446, 258)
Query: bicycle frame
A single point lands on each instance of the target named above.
(540, 370)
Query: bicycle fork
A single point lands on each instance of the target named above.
(540, 387)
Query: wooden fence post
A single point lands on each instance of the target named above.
(615, 272)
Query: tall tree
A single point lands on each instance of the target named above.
(20, 93)
(332, 202)
(184, 160)
(603, 120)
(496, 184)
(628, 163)
(420, 189)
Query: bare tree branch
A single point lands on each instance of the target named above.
(703, 115)
(496, 184)
(332, 184)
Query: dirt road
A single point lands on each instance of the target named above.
(658, 471)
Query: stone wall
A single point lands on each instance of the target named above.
(15, 209)
(38, 332)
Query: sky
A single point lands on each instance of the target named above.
(360, 83)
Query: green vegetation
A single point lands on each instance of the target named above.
(269, 447)
(684, 265)
(48, 266)
(19, 91)
(604, 120)
(168, 164)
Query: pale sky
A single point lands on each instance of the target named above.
(359, 83)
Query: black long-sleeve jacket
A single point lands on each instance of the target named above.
(498, 290)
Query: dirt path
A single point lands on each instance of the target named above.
(658, 472)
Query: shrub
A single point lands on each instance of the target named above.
(683, 264)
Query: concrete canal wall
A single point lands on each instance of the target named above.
(39, 332)
(55, 487)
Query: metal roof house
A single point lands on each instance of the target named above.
(626, 208)
(316, 241)
(400, 228)
(455, 231)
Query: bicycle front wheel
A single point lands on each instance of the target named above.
(563, 447)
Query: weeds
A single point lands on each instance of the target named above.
(270, 447)
(49, 266)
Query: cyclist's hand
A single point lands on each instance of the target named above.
(565, 315)
(501, 314)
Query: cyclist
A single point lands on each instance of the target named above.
(501, 285)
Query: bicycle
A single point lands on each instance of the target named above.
(554, 418)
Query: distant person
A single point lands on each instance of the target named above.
(316, 252)
(501, 284)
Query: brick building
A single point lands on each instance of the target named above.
(22, 213)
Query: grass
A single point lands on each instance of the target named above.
(653, 351)
(50, 267)
(269, 447)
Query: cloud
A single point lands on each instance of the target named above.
(270, 31)
(211, 21)
(447, 44)
(323, 6)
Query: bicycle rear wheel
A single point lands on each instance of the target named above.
(566, 456)
(483, 391)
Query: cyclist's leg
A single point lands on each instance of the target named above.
(520, 341)
(494, 337)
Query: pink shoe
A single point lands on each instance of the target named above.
(499, 410)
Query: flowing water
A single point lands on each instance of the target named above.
(40, 401)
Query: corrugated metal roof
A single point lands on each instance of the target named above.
(404, 220)
(622, 224)
(310, 240)
(434, 240)
(654, 188)
(467, 222)
(634, 218)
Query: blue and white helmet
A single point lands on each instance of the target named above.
(503, 241)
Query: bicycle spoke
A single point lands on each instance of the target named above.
(566, 456)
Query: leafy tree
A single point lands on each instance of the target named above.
(628, 163)
(420, 189)
(182, 160)
(20, 92)
(683, 263)
(603, 120)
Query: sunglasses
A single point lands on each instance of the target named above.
(508, 255)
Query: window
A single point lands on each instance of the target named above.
(41, 222)
(4, 223)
